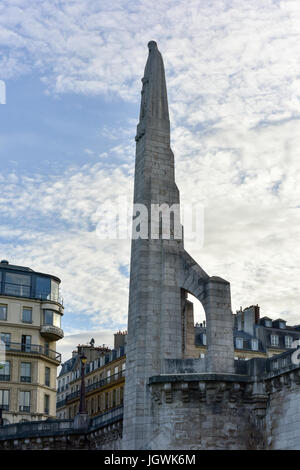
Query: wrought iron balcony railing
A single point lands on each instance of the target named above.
(97, 385)
(25, 378)
(24, 408)
(20, 290)
(33, 349)
(4, 378)
(60, 403)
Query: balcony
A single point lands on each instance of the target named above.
(60, 403)
(20, 290)
(52, 333)
(97, 385)
(33, 349)
(24, 408)
(5, 378)
(25, 378)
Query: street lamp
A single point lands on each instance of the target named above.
(82, 408)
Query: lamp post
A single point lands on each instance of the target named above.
(82, 408)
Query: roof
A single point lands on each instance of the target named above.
(6, 265)
(67, 366)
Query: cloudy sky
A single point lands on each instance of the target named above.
(72, 70)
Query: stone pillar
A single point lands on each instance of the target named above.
(219, 323)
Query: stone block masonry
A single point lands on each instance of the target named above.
(161, 274)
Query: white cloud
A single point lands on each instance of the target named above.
(55, 231)
(233, 83)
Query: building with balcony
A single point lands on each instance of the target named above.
(30, 324)
(104, 379)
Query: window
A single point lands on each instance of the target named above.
(239, 342)
(123, 369)
(5, 338)
(5, 371)
(25, 372)
(26, 343)
(27, 315)
(52, 318)
(204, 339)
(116, 370)
(46, 404)
(43, 288)
(274, 340)
(288, 341)
(24, 401)
(4, 400)
(3, 312)
(54, 290)
(47, 376)
(17, 284)
(282, 325)
(268, 323)
(254, 344)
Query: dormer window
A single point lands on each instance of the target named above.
(268, 323)
(239, 343)
(254, 344)
(282, 325)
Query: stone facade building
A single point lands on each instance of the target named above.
(253, 336)
(30, 324)
(104, 379)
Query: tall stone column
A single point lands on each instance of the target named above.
(160, 268)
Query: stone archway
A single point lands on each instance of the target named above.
(214, 295)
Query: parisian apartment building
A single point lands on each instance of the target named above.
(254, 336)
(30, 325)
(104, 374)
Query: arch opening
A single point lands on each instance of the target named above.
(193, 327)
(199, 312)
